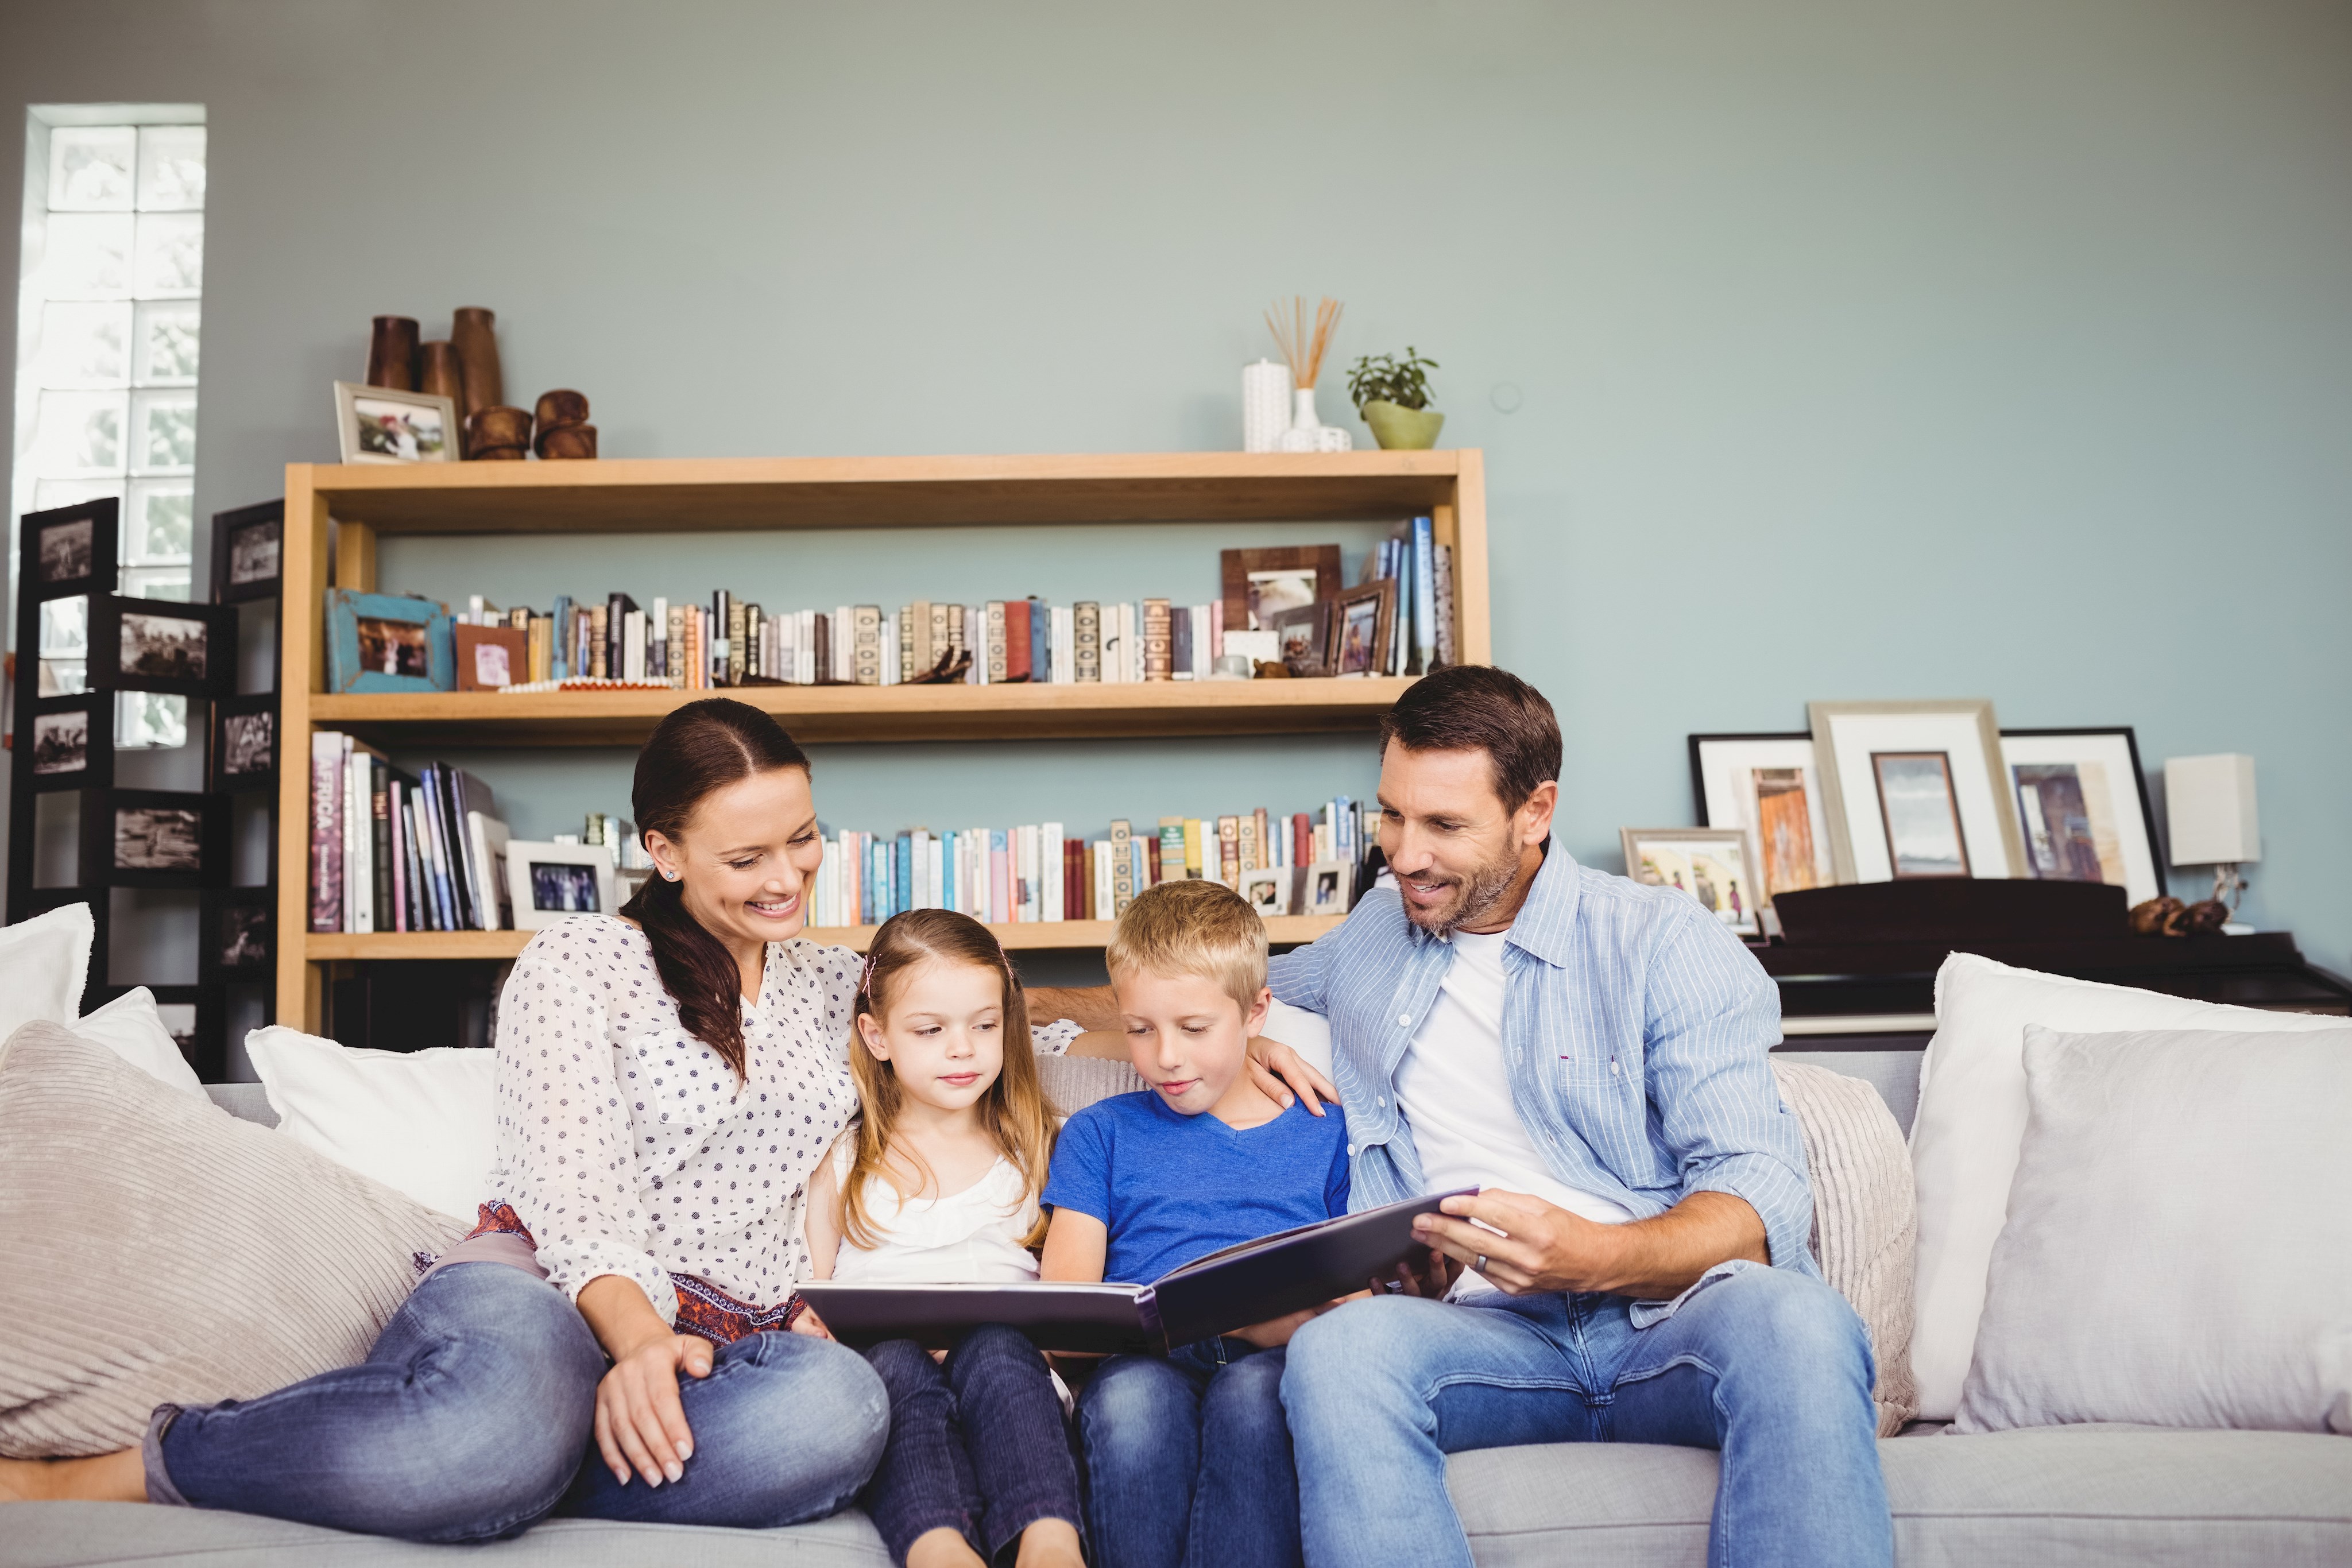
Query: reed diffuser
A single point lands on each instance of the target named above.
(1304, 351)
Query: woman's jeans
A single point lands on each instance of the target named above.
(472, 1419)
(1188, 1461)
(977, 1446)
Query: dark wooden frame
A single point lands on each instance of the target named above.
(105, 517)
(1698, 770)
(1951, 800)
(1235, 565)
(466, 639)
(225, 526)
(2140, 780)
(97, 771)
(98, 867)
(217, 778)
(217, 903)
(106, 672)
(1381, 590)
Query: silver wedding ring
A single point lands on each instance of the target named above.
(1482, 1262)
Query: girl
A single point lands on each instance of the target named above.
(609, 1340)
(939, 1183)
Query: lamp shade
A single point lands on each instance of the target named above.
(2208, 804)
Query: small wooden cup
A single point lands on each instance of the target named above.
(568, 441)
(496, 426)
(391, 353)
(561, 408)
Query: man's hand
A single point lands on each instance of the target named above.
(1431, 1280)
(1528, 1247)
(1278, 1070)
(639, 1419)
(809, 1323)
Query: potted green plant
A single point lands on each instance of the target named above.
(1392, 396)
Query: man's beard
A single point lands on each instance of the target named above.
(1478, 893)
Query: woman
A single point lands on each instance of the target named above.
(610, 1343)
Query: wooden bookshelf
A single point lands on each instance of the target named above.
(354, 505)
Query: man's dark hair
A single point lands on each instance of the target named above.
(1479, 707)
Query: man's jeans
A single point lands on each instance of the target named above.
(1769, 1367)
(1188, 1461)
(471, 1419)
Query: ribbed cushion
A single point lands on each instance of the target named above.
(1075, 1082)
(1865, 1219)
(154, 1248)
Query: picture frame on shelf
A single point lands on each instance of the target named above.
(491, 658)
(1768, 785)
(2082, 808)
(1363, 619)
(249, 552)
(245, 744)
(1915, 790)
(1328, 888)
(1271, 890)
(1259, 584)
(546, 882)
(69, 742)
(1720, 867)
(383, 424)
(239, 941)
(389, 642)
(1303, 636)
(70, 549)
(161, 645)
(155, 838)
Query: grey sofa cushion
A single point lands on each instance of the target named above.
(2053, 1496)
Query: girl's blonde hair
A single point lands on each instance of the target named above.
(1018, 1116)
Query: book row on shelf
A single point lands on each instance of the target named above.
(392, 851)
(731, 641)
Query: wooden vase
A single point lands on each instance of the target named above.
(497, 433)
(559, 409)
(568, 441)
(440, 373)
(391, 353)
(472, 335)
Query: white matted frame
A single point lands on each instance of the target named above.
(2116, 829)
(1848, 737)
(1725, 870)
(442, 422)
(1768, 785)
(1271, 890)
(1329, 888)
(548, 881)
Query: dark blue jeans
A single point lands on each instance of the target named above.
(1188, 1461)
(977, 1445)
(471, 1417)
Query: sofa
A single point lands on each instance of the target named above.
(2081, 1493)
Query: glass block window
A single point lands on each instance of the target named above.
(110, 323)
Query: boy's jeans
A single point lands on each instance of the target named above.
(1188, 1459)
(1771, 1368)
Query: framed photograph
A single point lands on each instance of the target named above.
(1717, 867)
(490, 657)
(244, 743)
(155, 838)
(161, 645)
(1915, 790)
(1766, 784)
(1360, 621)
(2082, 808)
(378, 424)
(548, 881)
(1260, 584)
(1271, 890)
(239, 934)
(70, 549)
(388, 643)
(1302, 637)
(71, 742)
(247, 545)
(1330, 888)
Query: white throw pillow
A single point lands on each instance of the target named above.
(2178, 1252)
(1971, 1116)
(422, 1123)
(130, 1027)
(1308, 1034)
(43, 963)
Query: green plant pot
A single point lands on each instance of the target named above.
(1398, 429)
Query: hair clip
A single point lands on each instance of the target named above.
(866, 978)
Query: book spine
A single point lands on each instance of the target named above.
(1179, 642)
(1085, 637)
(600, 642)
(1041, 651)
(1053, 871)
(359, 910)
(397, 832)
(1424, 597)
(379, 839)
(1157, 664)
(1106, 879)
(1216, 630)
(1253, 834)
(326, 832)
(1122, 872)
(1017, 665)
(1229, 852)
(738, 640)
(867, 632)
(420, 908)
(1193, 865)
(1443, 571)
(905, 640)
(1343, 818)
(902, 874)
(1139, 853)
(1302, 838)
(559, 633)
(1000, 876)
(997, 667)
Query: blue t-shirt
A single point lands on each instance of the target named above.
(1172, 1188)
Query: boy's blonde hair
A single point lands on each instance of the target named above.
(1197, 928)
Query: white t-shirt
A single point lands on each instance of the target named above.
(1455, 1089)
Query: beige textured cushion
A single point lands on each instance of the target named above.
(1865, 1221)
(154, 1248)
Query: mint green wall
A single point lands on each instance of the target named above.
(1864, 349)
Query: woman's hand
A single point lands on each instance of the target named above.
(809, 1323)
(640, 1421)
(1278, 1070)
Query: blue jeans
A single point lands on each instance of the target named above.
(472, 1417)
(1769, 1367)
(1188, 1461)
(977, 1446)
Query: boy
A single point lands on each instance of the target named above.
(1188, 1457)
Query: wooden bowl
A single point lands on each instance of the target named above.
(568, 441)
(498, 425)
(497, 454)
(559, 409)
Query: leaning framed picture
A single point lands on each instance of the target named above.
(1717, 867)
(379, 425)
(161, 645)
(1915, 790)
(1329, 888)
(1259, 584)
(1767, 785)
(1360, 623)
(2082, 808)
(244, 743)
(548, 881)
(155, 838)
(1271, 890)
(490, 657)
(388, 643)
(1302, 636)
(247, 545)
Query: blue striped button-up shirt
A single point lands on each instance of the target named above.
(1635, 1030)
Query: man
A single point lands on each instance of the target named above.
(1591, 1054)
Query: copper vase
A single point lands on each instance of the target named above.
(391, 353)
(471, 334)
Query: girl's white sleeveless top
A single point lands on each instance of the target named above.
(972, 1237)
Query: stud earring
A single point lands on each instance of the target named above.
(671, 874)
